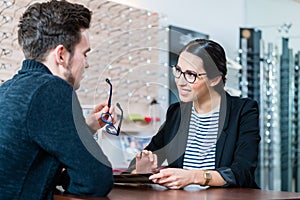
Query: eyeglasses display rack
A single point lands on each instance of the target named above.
(273, 80)
(269, 168)
(297, 118)
(287, 111)
(250, 82)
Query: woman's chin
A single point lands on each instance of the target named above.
(185, 99)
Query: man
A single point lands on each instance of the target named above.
(42, 128)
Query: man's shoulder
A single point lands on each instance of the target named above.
(33, 85)
(46, 82)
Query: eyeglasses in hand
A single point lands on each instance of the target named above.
(107, 118)
(189, 76)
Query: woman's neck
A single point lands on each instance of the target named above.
(207, 104)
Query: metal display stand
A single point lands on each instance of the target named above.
(297, 116)
(269, 118)
(287, 127)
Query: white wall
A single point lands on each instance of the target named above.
(219, 19)
(269, 15)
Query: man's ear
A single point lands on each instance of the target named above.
(61, 55)
(215, 81)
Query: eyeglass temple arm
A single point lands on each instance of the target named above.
(110, 92)
(121, 119)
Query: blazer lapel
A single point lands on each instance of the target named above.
(223, 123)
(180, 140)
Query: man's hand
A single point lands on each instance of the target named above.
(94, 119)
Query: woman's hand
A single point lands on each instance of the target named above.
(94, 119)
(175, 178)
(146, 162)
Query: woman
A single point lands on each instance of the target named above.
(209, 138)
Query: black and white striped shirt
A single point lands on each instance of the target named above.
(201, 145)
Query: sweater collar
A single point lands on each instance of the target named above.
(33, 66)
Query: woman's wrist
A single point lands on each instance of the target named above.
(198, 177)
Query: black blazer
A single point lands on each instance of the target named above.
(237, 144)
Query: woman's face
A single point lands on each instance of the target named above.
(192, 91)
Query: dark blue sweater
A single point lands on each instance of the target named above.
(42, 130)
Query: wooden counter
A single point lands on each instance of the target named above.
(140, 193)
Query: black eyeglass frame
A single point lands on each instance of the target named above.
(176, 67)
(105, 116)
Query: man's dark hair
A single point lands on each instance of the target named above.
(43, 26)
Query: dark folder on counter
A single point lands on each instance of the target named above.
(133, 178)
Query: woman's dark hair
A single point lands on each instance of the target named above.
(43, 26)
(212, 55)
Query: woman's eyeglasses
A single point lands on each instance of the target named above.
(107, 118)
(188, 75)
